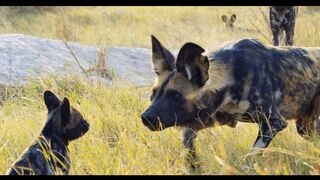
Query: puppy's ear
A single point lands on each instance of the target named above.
(224, 18)
(192, 64)
(162, 60)
(65, 112)
(233, 18)
(51, 100)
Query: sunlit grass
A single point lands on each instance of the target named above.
(117, 142)
(132, 26)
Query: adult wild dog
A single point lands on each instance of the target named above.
(49, 153)
(282, 19)
(243, 81)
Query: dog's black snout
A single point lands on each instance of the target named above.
(148, 119)
(85, 125)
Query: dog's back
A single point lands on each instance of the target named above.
(36, 160)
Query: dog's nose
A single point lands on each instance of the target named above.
(148, 120)
(85, 124)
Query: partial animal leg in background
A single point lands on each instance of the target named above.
(289, 34)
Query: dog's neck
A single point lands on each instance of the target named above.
(53, 137)
(59, 147)
(206, 106)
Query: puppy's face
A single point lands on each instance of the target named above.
(64, 120)
(229, 22)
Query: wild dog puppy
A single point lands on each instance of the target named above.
(229, 22)
(49, 153)
(243, 81)
(282, 19)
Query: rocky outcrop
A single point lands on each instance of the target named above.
(23, 57)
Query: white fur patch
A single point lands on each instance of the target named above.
(259, 144)
(277, 95)
(188, 70)
(228, 46)
(258, 147)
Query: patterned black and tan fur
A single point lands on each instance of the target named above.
(243, 81)
(49, 155)
(282, 19)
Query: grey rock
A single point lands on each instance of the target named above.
(23, 57)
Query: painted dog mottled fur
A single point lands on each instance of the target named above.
(243, 81)
(282, 18)
(48, 155)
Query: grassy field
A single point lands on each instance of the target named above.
(132, 26)
(117, 142)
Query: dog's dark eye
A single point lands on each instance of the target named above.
(177, 95)
(174, 95)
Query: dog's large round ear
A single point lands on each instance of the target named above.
(192, 64)
(51, 100)
(162, 59)
(224, 18)
(65, 112)
(233, 18)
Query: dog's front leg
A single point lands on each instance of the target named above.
(189, 136)
(268, 129)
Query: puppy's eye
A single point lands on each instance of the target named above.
(177, 95)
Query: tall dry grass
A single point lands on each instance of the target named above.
(117, 142)
(132, 26)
